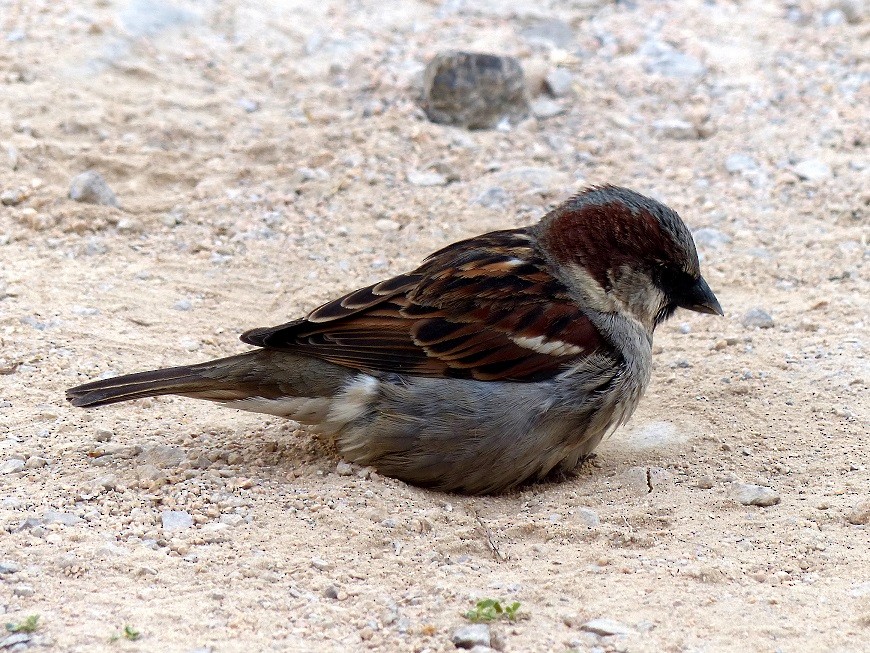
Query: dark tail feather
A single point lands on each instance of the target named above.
(214, 380)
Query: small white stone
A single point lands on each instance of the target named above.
(385, 224)
(588, 516)
(678, 130)
(544, 107)
(176, 520)
(321, 564)
(11, 466)
(812, 170)
(750, 494)
(426, 178)
(471, 636)
(559, 81)
(343, 468)
(605, 627)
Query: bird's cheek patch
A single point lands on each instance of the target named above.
(595, 295)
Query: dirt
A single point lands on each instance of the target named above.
(261, 158)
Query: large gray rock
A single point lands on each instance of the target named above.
(474, 90)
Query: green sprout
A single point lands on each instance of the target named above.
(492, 609)
(131, 633)
(29, 625)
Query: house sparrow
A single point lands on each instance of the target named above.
(499, 360)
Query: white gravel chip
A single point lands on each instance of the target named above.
(605, 627)
(750, 494)
(426, 178)
(65, 518)
(471, 636)
(11, 466)
(812, 170)
(90, 187)
(676, 129)
(589, 517)
(757, 318)
(740, 162)
(176, 520)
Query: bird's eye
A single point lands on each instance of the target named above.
(671, 279)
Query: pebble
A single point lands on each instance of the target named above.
(190, 344)
(676, 129)
(15, 641)
(176, 520)
(162, 455)
(248, 105)
(321, 564)
(12, 197)
(705, 483)
(344, 468)
(426, 178)
(664, 59)
(90, 187)
(812, 170)
(559, 81)
(385, 224)
(740, 162)
(605, 627)
(550, 32)
(474, 90)
(854, 10)
(11, 466)
(57, 517)
(588, 516)
(530, 178)
(750, 494)
(214, 533)
(232, 520)
(102, 434)
(709, 237)
(544, 107)
(860, 514)
(23, 590)
(471, 635)
(757, 318)
(35, 462)
(495, 197)
(9, 567)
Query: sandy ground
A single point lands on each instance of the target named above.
(262, 157)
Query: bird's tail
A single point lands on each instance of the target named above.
(262, 374)
(217, 380)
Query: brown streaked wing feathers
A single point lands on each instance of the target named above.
(475, 309)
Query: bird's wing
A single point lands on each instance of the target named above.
(486, 308)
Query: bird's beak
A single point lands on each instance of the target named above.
(701, 299)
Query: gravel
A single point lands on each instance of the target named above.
(740, 162)
(604, 627)
(176, 520)
(559, 81)
(676, 129)
(750, 494)
(11, 466)
(471, 635)
(860, 514)
(90, 187)
(757, 318)
(812, 170)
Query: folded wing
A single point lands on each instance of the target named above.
(485, 308)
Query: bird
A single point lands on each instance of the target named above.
(501, 360)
